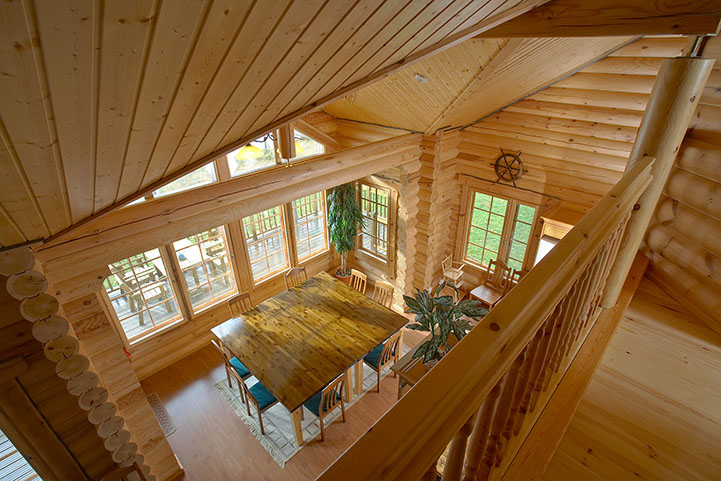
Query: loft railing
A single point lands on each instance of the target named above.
(477, 403)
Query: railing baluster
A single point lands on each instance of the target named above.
(457, 452)
(540, 364)
(527, 380)
(479, 436)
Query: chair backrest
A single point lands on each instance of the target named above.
(295, 276)
(383, 293)
(447, 263)
(123, 474)
(389, 350)
(221, 350)
(239, 304)
(358, 280)
(332, 395)
(499, 274)
(515, 278)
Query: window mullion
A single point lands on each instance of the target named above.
(167, 253)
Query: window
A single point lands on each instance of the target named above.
(375, 203)
(305, 146)
(309, 219)
(202, 176)
(257, 155)
(265, 238)
(491, 237)
(205, 267)
(141, 295)
(13, 465)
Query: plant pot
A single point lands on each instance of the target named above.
(345, 278)
(429, 365)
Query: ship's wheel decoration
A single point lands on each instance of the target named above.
(508, 167)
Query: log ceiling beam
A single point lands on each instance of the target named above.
(160, 221)
(581, 18)
(523, 6)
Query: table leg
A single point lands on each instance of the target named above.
(358, 381)
(348, 390)
(297, 427)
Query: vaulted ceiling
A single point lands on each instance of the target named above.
(99, 100)
(104, 100)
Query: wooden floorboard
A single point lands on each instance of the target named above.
(212, 442)
(653, 408)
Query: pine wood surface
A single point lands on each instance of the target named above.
(300, 340)
(653, 408)
(211, 442)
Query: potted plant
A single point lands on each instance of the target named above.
(441, 316)
(345, 219)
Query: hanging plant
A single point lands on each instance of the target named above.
(345, 219)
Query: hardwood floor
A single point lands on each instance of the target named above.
(653, 408)
(212, 442)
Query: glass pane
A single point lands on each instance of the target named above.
(525, 213)
(301, 233)
(518, 250)
(474, 252)
(157, 293)
(316, 226)
(217, 267)
(136, 324)
(522, 232)
(259, 154)
(499, 206)
(493, 242)
(221, 286)
(259, 269)
(305, 146)
(200, 296)
(514, 264)
(189, 256)
(477, 237)
(302, 248)
(480, 218)
(202, 176)
(164, 312)
(194, 276)
(127, 304)
(277, 261)
(317, 244)
(495, 224)
(488, 256)
(482, 201)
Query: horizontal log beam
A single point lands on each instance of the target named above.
(580, 18)
(160, 221)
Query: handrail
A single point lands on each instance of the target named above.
(493, 376)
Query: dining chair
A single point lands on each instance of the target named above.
(323, 402)
(239, 304)
(260, 397)
(295, 276)
(453, 271)
(383, 354)
(383, 293)
(123, 474)
(496, 284)
(233, 368)
(358, 281)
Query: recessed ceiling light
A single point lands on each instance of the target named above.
(421, 79)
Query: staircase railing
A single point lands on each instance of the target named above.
(474, 408)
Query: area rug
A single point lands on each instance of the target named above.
(279, 440)
(166, 424)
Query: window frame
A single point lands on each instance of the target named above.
(390, 225)
(183, 312)
(178, 272)
(288, 256)
(507, 231)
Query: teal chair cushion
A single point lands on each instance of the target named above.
(373, 358)
(239, 368)
(262, 395)
(313, 404)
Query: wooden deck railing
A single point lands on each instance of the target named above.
(477, 403)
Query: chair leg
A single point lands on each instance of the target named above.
(260, 420)
(302, 416)
(378, 384)
(342, 409)
(227, 374)
(247, 407)
(322, 430)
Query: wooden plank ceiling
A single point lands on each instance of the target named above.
(100, 100)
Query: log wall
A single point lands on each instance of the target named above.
(683, 238)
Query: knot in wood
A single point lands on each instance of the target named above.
(494, 327)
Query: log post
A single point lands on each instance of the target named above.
(673, 101)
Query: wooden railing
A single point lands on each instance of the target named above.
(474, 408)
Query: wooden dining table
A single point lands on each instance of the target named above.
(299, 341)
